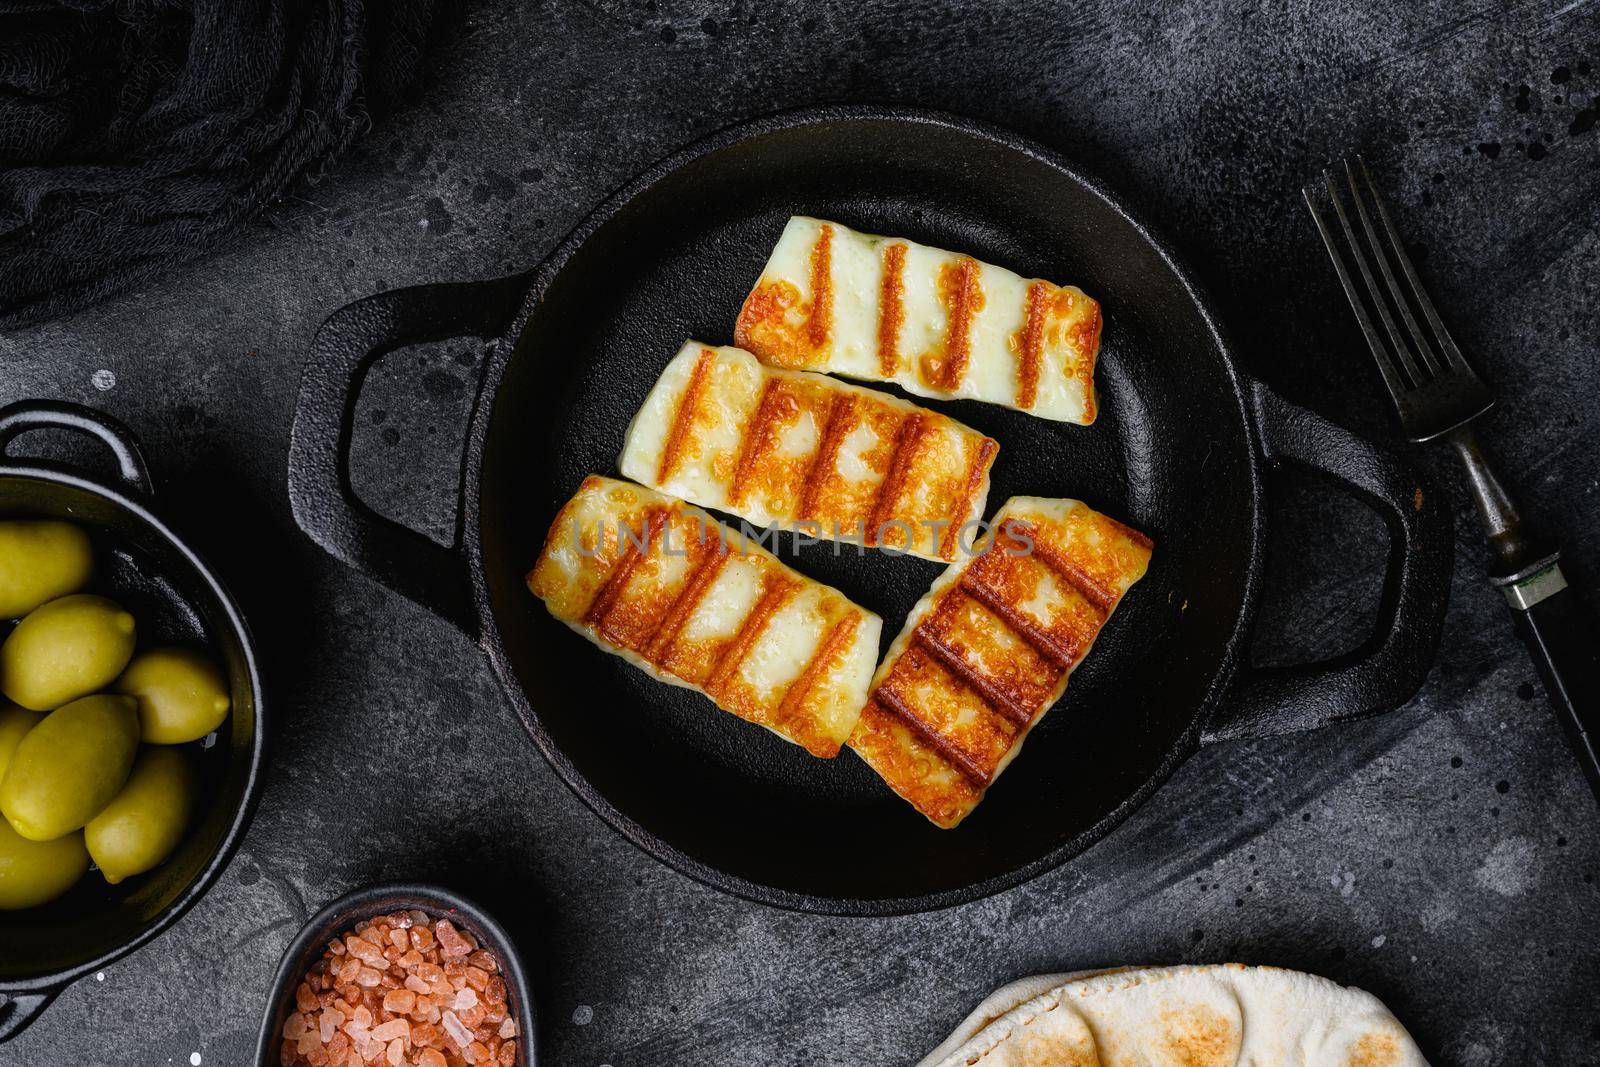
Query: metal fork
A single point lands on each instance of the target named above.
(1439, 396)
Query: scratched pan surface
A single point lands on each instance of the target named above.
(1171, 453)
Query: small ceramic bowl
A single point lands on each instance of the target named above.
(382, 899)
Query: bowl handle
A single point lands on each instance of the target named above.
(19, 1010)
(25, 415)
(324, 504)
(1391, 664)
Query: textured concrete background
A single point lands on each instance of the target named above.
(1443, 856)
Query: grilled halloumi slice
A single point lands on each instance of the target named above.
(694, 603)
(987, 651)
(805, 451)
(935, 323)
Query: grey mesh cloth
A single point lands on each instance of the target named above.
(139, 133)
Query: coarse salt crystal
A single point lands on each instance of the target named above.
(392, 1029)
(416, 985)
(508, 1028)
(399, 1001)
(466, 998)
(458, 1033)
(397, 1052)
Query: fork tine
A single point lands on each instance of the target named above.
(1391, 376)
(1402, 351)
(1396, 294)
(1446, 343)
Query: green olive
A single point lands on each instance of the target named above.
(182, 696)
(70, 766)
(39, 561)
(35, 872)
(145, 822)
(14, 722)
(64, 650)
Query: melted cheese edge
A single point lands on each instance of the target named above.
(708, 635)
(757, 444)
(886, 315)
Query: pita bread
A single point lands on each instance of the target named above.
(1226, 1015)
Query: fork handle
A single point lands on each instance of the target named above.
(1561, 637)
(1565, 645)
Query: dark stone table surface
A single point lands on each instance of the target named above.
(1443, 856)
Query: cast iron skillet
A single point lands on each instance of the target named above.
(350, 909)
(176, 599)
(1178, 451)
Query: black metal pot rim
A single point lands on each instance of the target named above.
(501, 351)
(241, 820)
(378, 899)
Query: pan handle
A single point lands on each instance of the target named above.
(324, 504)
(1390, 666)
(25, 415)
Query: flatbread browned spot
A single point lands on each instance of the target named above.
(1199, 1036)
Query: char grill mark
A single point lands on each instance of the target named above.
(890, 701)
(957, 666)
(1043, 642)
(775, 592)
(659, 648)
(962, 300)
(842, 410)
(1032, 345)
(607, 596)
(891, 309)
(820, 322)
(893, 484)
(683, 421)
(821, 661)
(1097, 595)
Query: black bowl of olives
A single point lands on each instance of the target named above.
(131, 729)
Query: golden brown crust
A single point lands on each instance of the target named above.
(1030, 345)
(987, 653)
(683, 421)
(891, 308)
(901, 463)
(648, 593)
(786, 448)
(820, 322)
(986, 334)
(775, 592)
(962, 298)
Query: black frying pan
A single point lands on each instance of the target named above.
(1178, 451)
